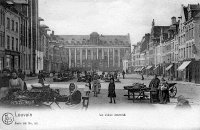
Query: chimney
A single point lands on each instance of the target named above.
(173, 19)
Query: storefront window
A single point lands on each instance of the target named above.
(16, 62)
(1, 64)
(8, 61)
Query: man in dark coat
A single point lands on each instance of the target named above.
(41, 77)
(123, 73)
(154, 84)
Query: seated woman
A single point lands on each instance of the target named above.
(164, 92)
(75, 95)
(15, 83)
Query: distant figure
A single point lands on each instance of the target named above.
(111, 90)
(142, 77)
(41, 77)
(99, 87)
(95, 87)
(87, 88)
(115, 75)
(123, 73)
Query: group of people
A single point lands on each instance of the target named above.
(161, 88)
(11, 82)
(96, 87)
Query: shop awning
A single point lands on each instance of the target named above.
(135, 69)
(169, 67)
(138, 69)
(149, 67)
(142, 68)
(184, 65)
(156, 68)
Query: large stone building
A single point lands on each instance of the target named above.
(94, 51)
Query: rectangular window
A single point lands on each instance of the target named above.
(13, 43)
(8, 23)
(199, 30)
(192, 31)
(13, 25)
(184, 53)
(8, 42)
(17, 44)
(16, 26)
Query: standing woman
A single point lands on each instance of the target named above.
(87, 88)
(15, 83)
(111, 90)
(95, 87)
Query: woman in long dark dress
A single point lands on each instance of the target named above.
(111, 90)
(164, 92)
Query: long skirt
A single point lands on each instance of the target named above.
(95, 88)
(111, 94)
(164, 96)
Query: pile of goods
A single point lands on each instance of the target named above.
(63, 77)
(19, 98)
(135, 86)
(37, 95)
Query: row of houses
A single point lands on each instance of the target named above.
(172, 50)
(21, 36)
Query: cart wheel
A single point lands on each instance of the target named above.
(172, 91)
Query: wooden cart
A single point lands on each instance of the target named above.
(137, 93)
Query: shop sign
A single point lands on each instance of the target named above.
(14, 53)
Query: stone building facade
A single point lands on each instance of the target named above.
(94, 51)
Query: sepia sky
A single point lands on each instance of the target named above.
(111, 17)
